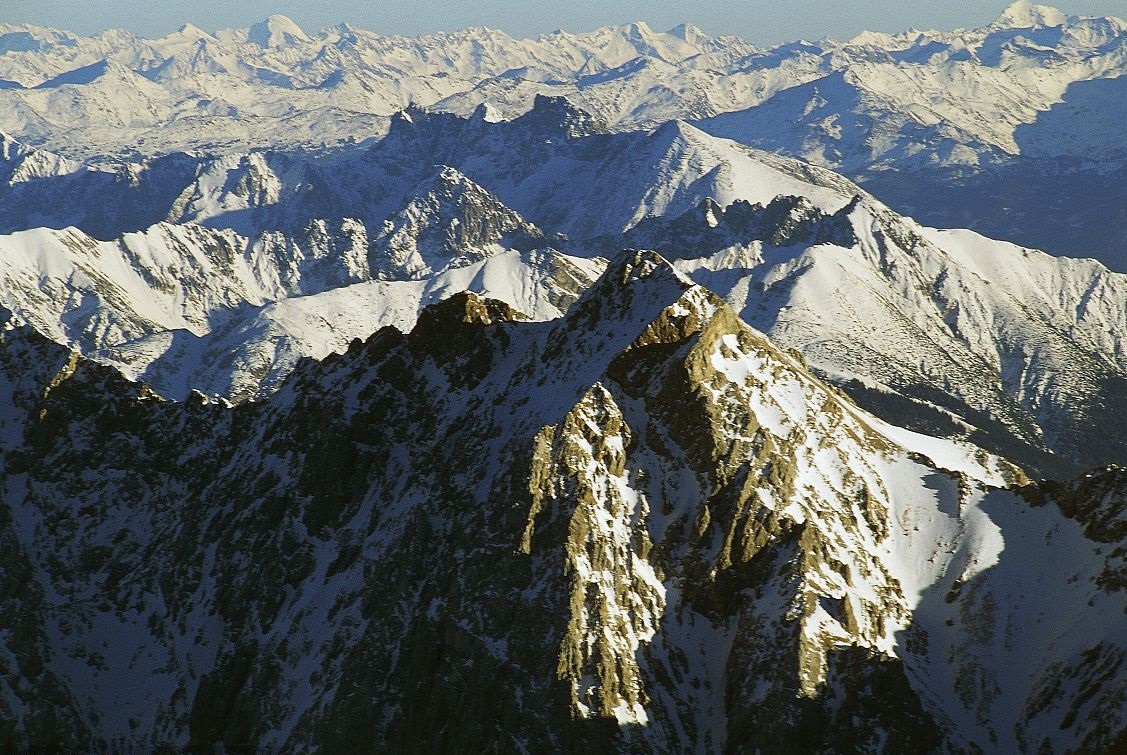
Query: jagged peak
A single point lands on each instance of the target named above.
(710, 211)
(634, 265)
(1023, 14)
(455, 335)
(446, 183)
(634, 277)
(464, 308)
(415, 115)
(639, 301)
(448, 221)
(709, 227)
(559, 113)
(447, 174)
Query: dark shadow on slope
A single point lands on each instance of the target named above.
(785, 222)
(455, 641)
(25, 41)
(1069, 204)
(103, 204)
(1087, 125)
(1065, 207)
(920, 408)
(777, 56)
(865, 703)
(920, 52)
(973, 628)
(792, 122)
(1057, 196)
(1022, 41)
(368, 184)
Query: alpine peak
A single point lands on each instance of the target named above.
(560, 113)
(1023, 14)
(276, 31)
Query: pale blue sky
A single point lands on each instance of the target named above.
(761, 21)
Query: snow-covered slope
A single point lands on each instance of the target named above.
(976, 88)
(947, 332)
(625, 508)
(1025, 347)
(249, 352)
(449, 220)
(1012, 129)
(185, 307)
(555, 166)
(640, 528)
(116, 93)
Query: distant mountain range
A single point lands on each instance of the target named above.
(1013, 130)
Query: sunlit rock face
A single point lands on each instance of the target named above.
(640, 528)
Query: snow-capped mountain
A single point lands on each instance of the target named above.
(275, 84)
(1024, 347)
(286, 256)
(963, 98)
(185, 308)
(1013, 129)
(640, 528)
(555, 165)
(927, 88)
(449, 220)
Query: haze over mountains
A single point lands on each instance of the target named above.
(602, 392)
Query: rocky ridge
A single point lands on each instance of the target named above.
(707, 547)
(945, 332)
(638, 512)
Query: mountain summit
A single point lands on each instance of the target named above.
(449, 222)
(640, 528)
(468, 394)
(1023, 14)
(276, 31)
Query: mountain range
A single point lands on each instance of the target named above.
(624, 391)
(1012, 129)
(641, 527)
(256, 260)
